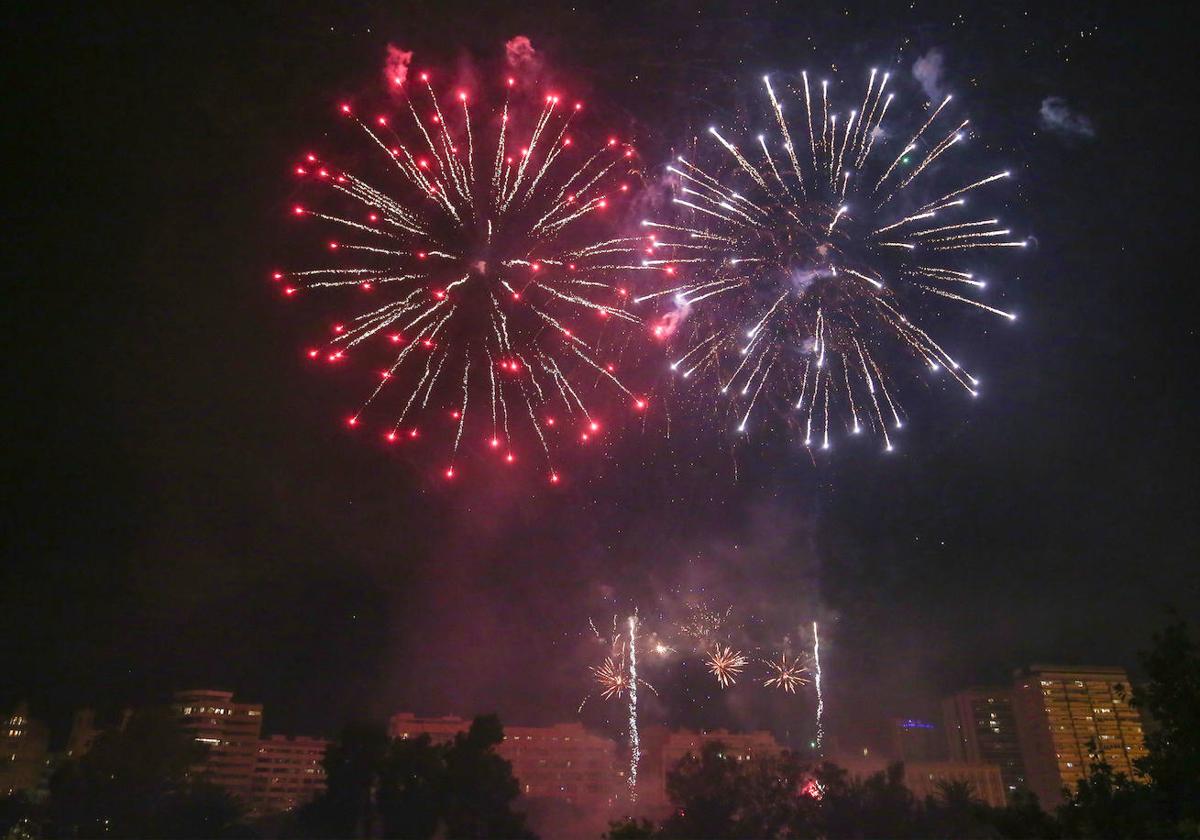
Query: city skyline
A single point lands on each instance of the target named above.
(191, 508)
(999, 739)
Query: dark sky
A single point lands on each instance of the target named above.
(187, 511)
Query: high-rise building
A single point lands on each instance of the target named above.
(23, 752)
(917, 740)
(288, 772)
(231, 732)
(1067, 714)
(981, 726)
(563, 761)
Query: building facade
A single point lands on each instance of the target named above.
(288, 772)
(84, 733)
(981, 726)
(24, 745)
(564, 761)
(663, 749)
(742, 746)
(925, 778)
(85, 729)
(230, 730)
(1067, 714)
(917, 740)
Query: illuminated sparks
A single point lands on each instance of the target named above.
(817, 686)
(635, 742)
(482, 272)
(617, 672)
(786, 674)
(725, 664)
(703, 622)
(611, 677)
(794, 267)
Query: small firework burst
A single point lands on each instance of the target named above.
(612, 677)
(786, 674)
(726, 664)
(617, 673)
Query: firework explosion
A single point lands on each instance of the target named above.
(485, 288)
(785, 674)
(611, 677)
(617, 673)
(725, 664)
(795, 260)
(703, 622)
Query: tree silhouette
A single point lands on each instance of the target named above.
(137, 782)
(409, 789)
(415, 789)
(478, 788)
(1171, 695)
(353, 764)
(956, 812)
(1110, 805)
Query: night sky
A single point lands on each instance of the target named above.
(187, 510)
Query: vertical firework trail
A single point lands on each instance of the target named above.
(635, 746)
(817, 684)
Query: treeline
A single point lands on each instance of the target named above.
(715, 796)
(135, 781)
(139, 781)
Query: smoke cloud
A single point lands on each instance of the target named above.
(1056, 116)
(521, 56)
(928, 71)
(672, 321)
(803, 280)
(395, 67)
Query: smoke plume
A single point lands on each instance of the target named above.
(521, 56)
(395, 67)
(928, 71)
(1056, 116)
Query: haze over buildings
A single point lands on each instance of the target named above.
(1041, 734)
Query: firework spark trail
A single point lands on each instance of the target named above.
(635, 742)
(817, 685)
(814, 261)
(611, 676)
(466, 266)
